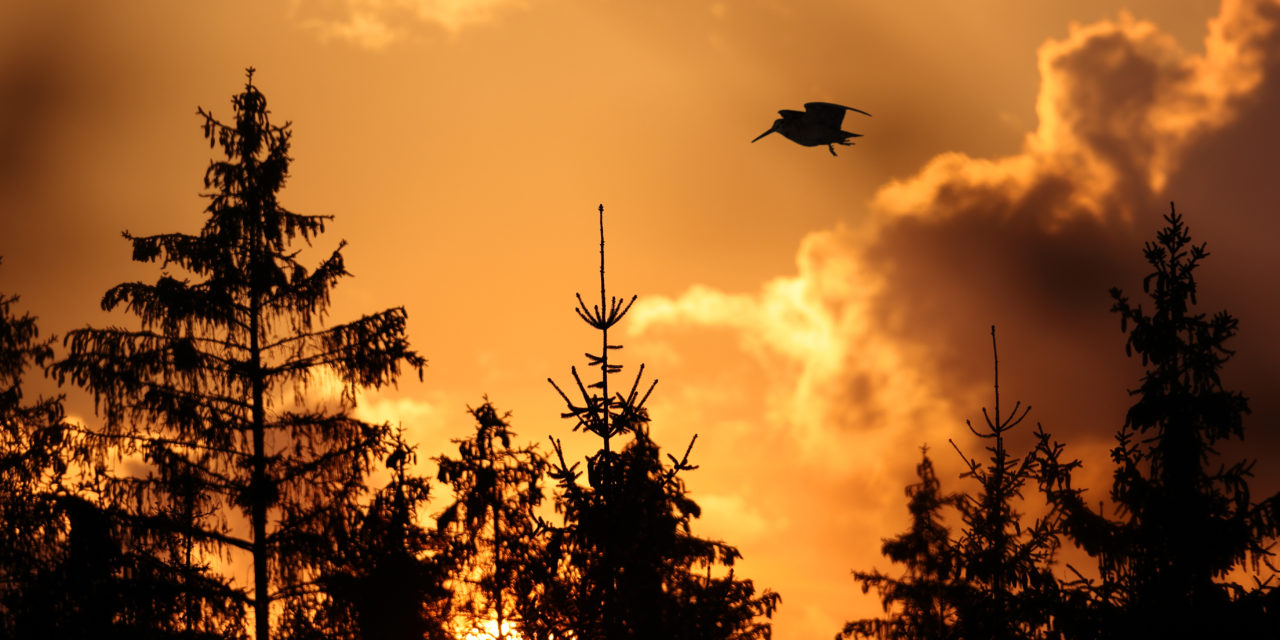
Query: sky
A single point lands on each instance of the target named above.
(814, 319)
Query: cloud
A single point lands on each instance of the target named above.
(733, 517)
(884, 326)
(1032, 242)
(879, 340)
(813, 331)
(429, 428)
(1118, 104)
(376, 24)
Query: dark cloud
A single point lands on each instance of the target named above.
(880, 341)
(896, 314)
(40, 88)
(1155, 127)
(1226, 187)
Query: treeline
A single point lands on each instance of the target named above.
(210, 457)
(1182, 550)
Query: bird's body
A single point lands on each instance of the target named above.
(817, 125)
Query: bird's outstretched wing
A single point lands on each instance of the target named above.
(829, 113)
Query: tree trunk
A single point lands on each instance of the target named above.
(261, 580)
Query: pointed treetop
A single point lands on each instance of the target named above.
(597, 412)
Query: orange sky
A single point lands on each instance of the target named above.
(814, 319)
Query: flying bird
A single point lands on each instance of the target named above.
(817, 125)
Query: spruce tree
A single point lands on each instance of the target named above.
(67, 567)
(1183, 519)
(995, 579)
(390, 583)
(627, 563)
(1010, 591)
(922, 603)
(33, 463)
(211, 389)
(492, 528)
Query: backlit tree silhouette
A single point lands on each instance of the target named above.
(492, 530)
(1183, 520)
(922, 603)
(627, 564)
(199, 391)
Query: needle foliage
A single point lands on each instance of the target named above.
(210, 393)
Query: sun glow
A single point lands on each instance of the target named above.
(488, 630)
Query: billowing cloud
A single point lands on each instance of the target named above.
(884, 324)
(879, 341)
(1119, 103)
(375, 24)
(814, 331)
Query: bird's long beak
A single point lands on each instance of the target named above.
(764, 134)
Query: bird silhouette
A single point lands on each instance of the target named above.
(817, 125)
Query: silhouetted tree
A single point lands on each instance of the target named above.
(922, 603)
(389, 583)
(492, 527)
(995, 579)
(1007, 568)
(106, 582)
(198, 391)
(627, 564)
(32, 464)
(67, 567)
(1183, 520)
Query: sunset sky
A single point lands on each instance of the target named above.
(815, 319)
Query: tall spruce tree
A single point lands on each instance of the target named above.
(492, 528)
(921, 605)
(627, 564)
(995, 579)
(199, 390)
(1007, 567)
(1183, 519)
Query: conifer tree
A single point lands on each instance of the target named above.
(995, 579)
(199, 390)
(390, 584)
(1183, 519)
(627, 564)
(67, 569)
(33, 462)
(922, 603)
(492, 529)
(1007, 568)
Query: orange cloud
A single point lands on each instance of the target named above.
(815, 328)
(1119, 103)
(878, 341)
(376, 24)
(859, 327)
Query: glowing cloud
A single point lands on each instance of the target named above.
(1118, 105)
(866, 330)
(878, 342)
(375, 24)
(814, 327)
